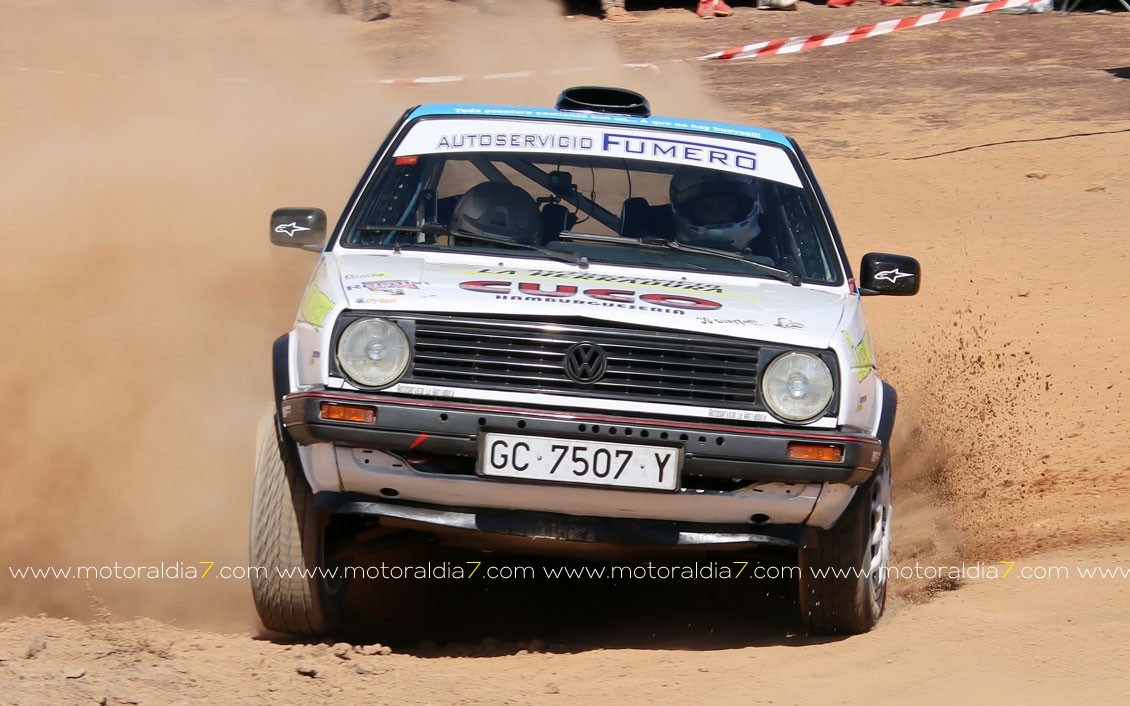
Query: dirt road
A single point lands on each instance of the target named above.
(143, 146)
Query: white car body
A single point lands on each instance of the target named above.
(465, 373)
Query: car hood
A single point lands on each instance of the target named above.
(740, 307)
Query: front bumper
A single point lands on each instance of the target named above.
(444, 428)
(553, 534)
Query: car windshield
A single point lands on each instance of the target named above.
(595, 194)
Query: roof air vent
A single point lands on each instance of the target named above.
(602, 99)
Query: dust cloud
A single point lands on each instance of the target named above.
(144, 148)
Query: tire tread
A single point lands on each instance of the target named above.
(281, 503)
(835, 605)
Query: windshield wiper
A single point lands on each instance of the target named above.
(435, 229)
(569, 257)
(781, 274)
(664, 244)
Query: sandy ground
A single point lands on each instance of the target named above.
(144, 144)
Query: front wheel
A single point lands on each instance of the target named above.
(294, 589)
(843, 579)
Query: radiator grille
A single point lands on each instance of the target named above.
(649, 365)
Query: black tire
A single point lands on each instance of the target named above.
(288, 535)
(858, 545)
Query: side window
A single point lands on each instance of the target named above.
(796, 240)
(394, 200)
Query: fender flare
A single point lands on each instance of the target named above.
(280, 369)
(887, 415)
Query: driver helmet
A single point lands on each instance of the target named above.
(499, 209)
(715, 209)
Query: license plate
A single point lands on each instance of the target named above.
(580, 461)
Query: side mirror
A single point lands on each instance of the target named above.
(882, 273)
(299, 228)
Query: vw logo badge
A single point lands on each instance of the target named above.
(585, 362)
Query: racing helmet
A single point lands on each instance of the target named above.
(715, 209)
(499, 209)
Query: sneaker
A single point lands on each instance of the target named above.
(705, 9)
(721, 9)
(779, 4)
(619, 14)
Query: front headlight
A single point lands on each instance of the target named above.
(797, 387)
(373, 352)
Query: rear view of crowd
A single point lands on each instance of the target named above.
(612, 10)
(616, 10)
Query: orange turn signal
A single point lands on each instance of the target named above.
(348, 413)
(815, 452)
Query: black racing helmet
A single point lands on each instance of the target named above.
(499, 209)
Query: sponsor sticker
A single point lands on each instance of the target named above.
(598, 277)
(540, 292)
(387, 286)
(316, 306)
(423, 390)
(375, 300)
(862, 355)
(739, 415)
(613, 141)
(738, 322)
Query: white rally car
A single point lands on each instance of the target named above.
(579, 329)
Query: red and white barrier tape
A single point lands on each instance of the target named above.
(791, 45)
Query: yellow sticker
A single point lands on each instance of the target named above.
(862, 355)
(316, 305)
